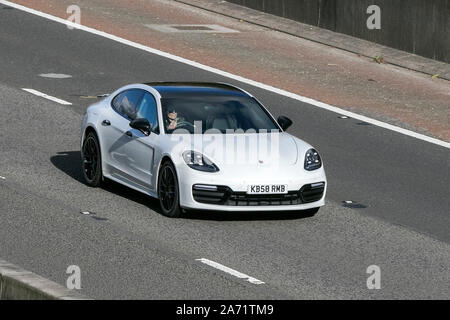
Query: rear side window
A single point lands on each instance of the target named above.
(128, 102)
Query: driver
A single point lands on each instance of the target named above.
(172, 120)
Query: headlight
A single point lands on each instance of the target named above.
(312, 160)
(198, 161)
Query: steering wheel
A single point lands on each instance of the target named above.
(185, 124)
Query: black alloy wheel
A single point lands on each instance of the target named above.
(168, 191)
(91, 160)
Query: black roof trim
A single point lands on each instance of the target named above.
(216, 85)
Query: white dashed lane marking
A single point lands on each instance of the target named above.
(46, 96)
(55, 75)
(230, 271)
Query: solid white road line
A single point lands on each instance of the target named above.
(231, 76)
(230, 271)
(46, 96)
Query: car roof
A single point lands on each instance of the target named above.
(179, 89)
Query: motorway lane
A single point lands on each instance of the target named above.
(325, 256)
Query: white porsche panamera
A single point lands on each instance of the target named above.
(204, 146)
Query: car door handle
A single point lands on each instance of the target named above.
(106, 123)
(128, 133)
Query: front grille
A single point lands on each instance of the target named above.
(225, 196)
(244, 199)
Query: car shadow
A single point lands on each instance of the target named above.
(69, 163)
(245, 216)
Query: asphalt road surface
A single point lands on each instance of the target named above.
(127, 249)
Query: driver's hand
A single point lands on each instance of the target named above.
(172, 125)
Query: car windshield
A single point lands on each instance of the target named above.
(222, 113)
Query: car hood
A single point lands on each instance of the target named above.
(247, 149)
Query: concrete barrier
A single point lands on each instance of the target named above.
(19, 284)
(417, 26)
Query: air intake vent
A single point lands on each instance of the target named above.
(210, 194)
(312, 192)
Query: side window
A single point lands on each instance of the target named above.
(117, 100)
(147, 109)
(127, 103)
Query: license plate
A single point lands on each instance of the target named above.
(267, 189)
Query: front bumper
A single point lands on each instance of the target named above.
(234, 188)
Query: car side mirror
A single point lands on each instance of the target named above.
(142, 125)
(284, 122)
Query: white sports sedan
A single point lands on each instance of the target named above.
(204, 146)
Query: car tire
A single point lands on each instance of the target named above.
(168, 191)
(91, 160)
